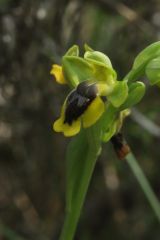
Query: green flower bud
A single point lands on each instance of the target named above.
(119, 93)
(135, 94)
(153, 71)
(150, 52)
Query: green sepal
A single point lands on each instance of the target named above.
(115, 125)
(119, 93)
(110, 132)
(88, 48)
(102, 66)
(98, 58)
(73, 51)
(135, 94)
(76, 70)
(153, 71)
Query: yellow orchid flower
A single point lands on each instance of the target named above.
(83, 107)
(93, 81)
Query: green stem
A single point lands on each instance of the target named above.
(73, 214)
(145, 185)
(134, 74)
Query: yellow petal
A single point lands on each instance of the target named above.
(93, 112)
(57, 72)
(71, 130)
(58, 125)
(68, 130)
(104, 89)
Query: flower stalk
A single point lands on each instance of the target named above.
(144, 183)
(123, 151)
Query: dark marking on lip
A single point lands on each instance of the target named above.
(79, 100)
(104, 98)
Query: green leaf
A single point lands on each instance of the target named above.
(135, 94)
(82, 155)
(119, 94)
(76, 70)
(75, 162)
(81, 158)
(153, 71)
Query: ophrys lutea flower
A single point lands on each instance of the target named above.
(93, 80)
(83, 107)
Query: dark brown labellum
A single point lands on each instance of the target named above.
(79, 100)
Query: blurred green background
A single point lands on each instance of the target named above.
(33, 36)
